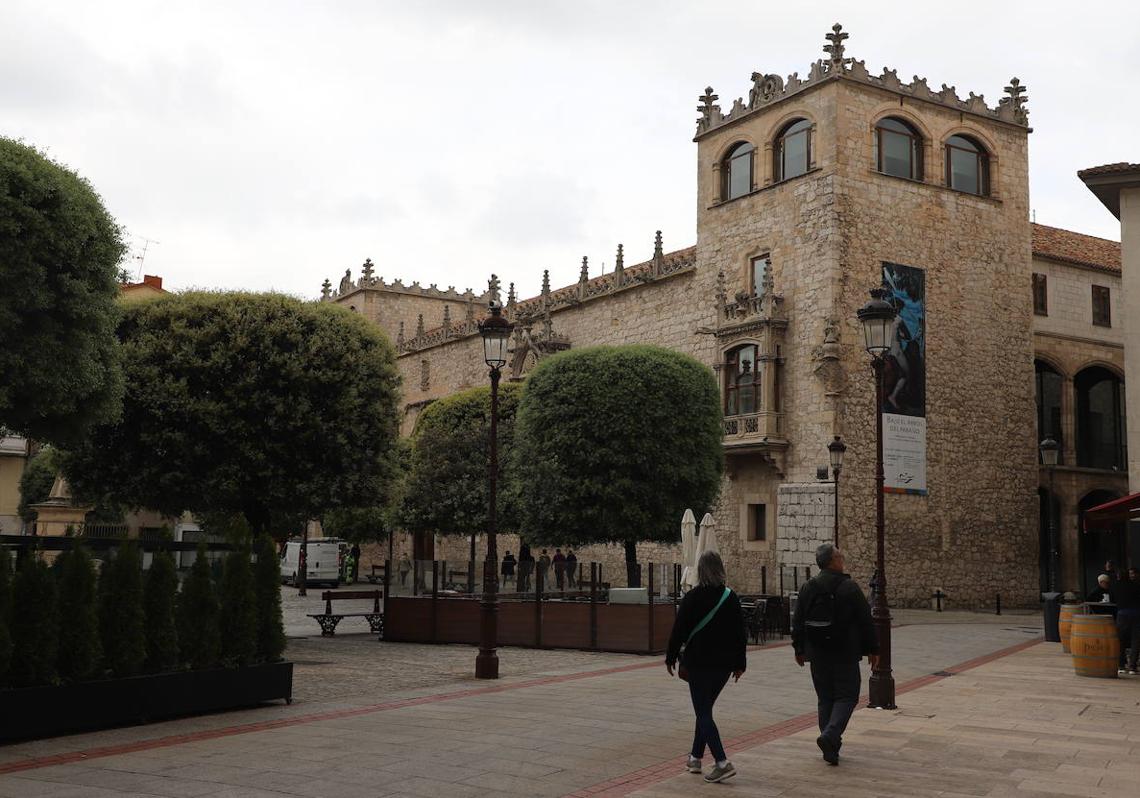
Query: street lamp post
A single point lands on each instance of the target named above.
(495, 330)
(877, 318)
(1050, 451)
(836, 449)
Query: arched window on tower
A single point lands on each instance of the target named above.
(967, 166)
(792, 150)
(742, 391)
(1049, 386)
(898, 148)
(1101, 438)
(736, 172)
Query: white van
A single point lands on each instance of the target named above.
(325, 556)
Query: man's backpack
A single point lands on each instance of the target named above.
(820, 629)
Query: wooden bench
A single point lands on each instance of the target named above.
(329, 620)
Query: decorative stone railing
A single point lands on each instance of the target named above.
(753, 427)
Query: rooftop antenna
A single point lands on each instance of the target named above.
(141, 257)
(1034, 216)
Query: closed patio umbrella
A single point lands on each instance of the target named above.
(688, 550)
(707, 540)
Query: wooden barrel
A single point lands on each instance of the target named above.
(1095, 646)
(1065, 623)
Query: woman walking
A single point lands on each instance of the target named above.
(710, 627)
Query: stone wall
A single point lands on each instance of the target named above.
(975, 533)
(806, 520)
(1069, 291)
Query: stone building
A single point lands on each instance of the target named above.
(810, 192)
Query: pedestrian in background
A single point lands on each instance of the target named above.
(1126, 592)
(526, 568)
(571, 569)
(708, 641)
(832, 630)
(543, 571)
(560, 568)
(508, 567)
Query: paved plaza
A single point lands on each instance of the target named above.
(985, 710)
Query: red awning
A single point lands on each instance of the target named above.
(1103, 516)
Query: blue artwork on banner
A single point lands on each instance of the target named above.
(905, 377)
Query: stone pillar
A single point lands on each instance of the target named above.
(1130, 257)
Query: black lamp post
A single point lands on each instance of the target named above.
(1050, 452)
(495, 331)
(836, 449)
(877, 318)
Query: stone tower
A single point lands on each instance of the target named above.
(811, 192)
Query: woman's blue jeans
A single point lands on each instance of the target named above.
(705, 685)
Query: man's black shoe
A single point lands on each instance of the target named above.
(829, 748)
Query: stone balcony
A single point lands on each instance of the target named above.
(756, 434)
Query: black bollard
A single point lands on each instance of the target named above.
(997, 603)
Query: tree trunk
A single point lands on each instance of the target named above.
(632, 569)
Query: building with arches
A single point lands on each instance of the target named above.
(811, 191)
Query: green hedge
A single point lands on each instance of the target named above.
(63, 624)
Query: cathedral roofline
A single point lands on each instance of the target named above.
(772, 89)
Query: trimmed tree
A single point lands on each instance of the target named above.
(616, 443)
(197, 615)
(239, 616)
(80, 651)
(446, 488)
(60, 369)
(267, 592)
(35, 624)
(159, 592)
(258, 404)
(5, 616)
(122, 620)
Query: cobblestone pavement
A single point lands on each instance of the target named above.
(376, 719)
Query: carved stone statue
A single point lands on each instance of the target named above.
(345, 282)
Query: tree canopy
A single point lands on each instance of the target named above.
(257, 404)
(59, 253)
(617, 442)
(446, 488)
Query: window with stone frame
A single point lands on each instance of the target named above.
(1101, 306)
(792, 150)
(897, 148)
(757, 522)
(967, 166)
(736, 172)
(742, 389)
(1040, 294)
(756, 274)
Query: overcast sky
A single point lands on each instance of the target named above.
(273, 144)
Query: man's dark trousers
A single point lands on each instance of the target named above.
(837, 688)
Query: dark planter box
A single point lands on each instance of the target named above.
(32, 712)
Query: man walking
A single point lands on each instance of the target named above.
(832, 629)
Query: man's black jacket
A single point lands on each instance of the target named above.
(721, 643)
(852, 619)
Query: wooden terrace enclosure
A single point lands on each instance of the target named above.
(582, 618)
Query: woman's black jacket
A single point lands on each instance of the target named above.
(721, 643)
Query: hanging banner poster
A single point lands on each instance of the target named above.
(904, 383)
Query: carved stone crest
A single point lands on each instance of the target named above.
(825, 357)
(765, 88)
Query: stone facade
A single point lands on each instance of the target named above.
(784, 268)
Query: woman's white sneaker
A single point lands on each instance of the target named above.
(719, 773)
